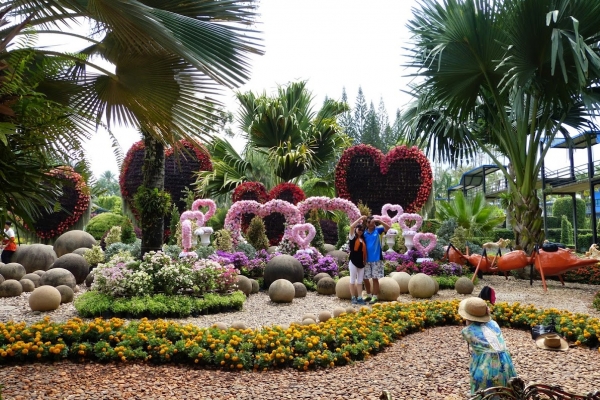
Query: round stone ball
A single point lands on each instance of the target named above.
(255, 286)
(35, 278)
(72, 240)
(326, 286)
(338, 311)
(389, 290)
(80, 250)
(402, 278)
(464, 285)
(328, 247)
(89, 279)
(350, 310)
(10, 288)
(283, 267)
(421, 286)
(1, 279)
(58, 276)
(308, 321)
(239, 325)
(282, 291)
(75, 263)
(309, 315)
(12, 271)
(300, 290)
(339, 255)
(40, 272)
(66, 293)
(220, 325)
(324, 316)
(243, 284)
(342, 288)
(44, 298)
(437, 285)
(320, 275)
(35, 256)
(27, 285)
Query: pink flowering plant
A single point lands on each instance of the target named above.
(328, 204)
(120, 277)
(210, 276)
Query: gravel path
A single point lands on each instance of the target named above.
(427, 365)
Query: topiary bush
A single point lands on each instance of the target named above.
(318, 241)
(566, 231)
(102, 223)
(446, 230)
(563, 207)
(223, 241)
(256, 234)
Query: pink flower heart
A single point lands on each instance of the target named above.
(421, 239)
(416, 218)
(385, 211)
(186, 226)
(303, 234)
(212, 207)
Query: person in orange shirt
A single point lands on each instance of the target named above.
(9, 244)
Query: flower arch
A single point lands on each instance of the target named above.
(329, 204)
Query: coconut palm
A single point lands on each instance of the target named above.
(165, 55)
(507, 75)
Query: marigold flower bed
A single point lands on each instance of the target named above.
(337, 341)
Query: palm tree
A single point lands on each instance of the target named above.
(286, 129)
(507, 75)
(474, 214)
(164, 54)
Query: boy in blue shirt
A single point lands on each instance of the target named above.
(374, 264)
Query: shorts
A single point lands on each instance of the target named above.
(374, 270)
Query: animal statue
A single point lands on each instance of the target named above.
(547, 263)
(499, 246)
(593, 252)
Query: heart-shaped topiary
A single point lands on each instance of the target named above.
(415, 221)
(395, 209)
(303, 234)
(402, 177)
(425, 242)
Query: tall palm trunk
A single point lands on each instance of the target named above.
(526, 220)
(153, 182)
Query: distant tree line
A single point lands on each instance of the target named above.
(367, 125)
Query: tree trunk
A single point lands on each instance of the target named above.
(153, 178)
(527, 221)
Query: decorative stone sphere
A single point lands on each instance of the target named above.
(328, 247)
(389, 289)
(75, 263)
(255, 286)
(464, 285)
(89, 279)
(350, 310)
(339, 255)
(309, 315)
(324, 316)
(326, 286)
(342, 288)
(35, 278)
(421, 286)
(40, 272)
(437, 285)
(308, 321)
(1, 279)
(80, 251)
(44, 298)
(338, 311)
(300, 290)
(58, 276)
(72, 240)
(10, 288)
(12, 271)
(34, 256)
(320, 275)
(243, 284)
(239, 325)
(27, 285)
(282, 291)
(393, 273)
(402, 278)
(283, 267)
(220, 325)
(66, 293)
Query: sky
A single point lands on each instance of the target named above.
(332, 44)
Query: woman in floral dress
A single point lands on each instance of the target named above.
(491, 363)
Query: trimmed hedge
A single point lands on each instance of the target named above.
(102, 223)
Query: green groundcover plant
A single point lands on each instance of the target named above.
(337, 341)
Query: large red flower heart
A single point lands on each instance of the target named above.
(402, 177)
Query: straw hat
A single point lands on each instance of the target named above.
(474, 309)
(551, 341)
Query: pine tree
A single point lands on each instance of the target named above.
(345, 119)
(256, 234)
(385, 130)
(360, 117)
(397, 137)
(371, 129)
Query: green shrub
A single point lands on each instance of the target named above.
(552, 222)
(318, 241)
(247, 249)
(500, 233)
(127, 232)
(343, 228)
(431, 226)
(584, 242)
(112, 203)
(173, 222)
(223, 241)
(553, 235)
(257, 234)
(563, 207)
(446, 230)
(596, 302)
(102, 223)
(566, 231)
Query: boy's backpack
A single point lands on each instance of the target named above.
(488, 294)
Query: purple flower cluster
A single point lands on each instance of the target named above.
(409, 267)
(430, 268)
(451, 269)
(326, 264)
(256, 266)
(238, 259)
